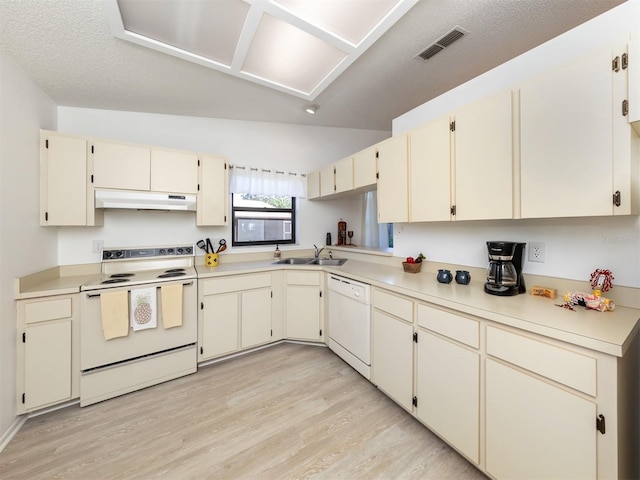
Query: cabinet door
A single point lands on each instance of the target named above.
(219, 329)
(344, 175)
(63, 182)
(121, 166)
(313, 185)
(484, 159)
(173, 171)
(47, 364)
(213, 197)
(256, 317)
(302, 315)
(392, 358)
(393, 181)
(430, 167)
(448, 391)
(566, 143)
(327, 181)
(365, 166)
(535, 429)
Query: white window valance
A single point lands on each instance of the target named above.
(262, 181)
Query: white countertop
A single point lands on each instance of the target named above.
(607, 332)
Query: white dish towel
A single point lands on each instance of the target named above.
(143, 312)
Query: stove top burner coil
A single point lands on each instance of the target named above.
(173, 270)
(121, 275)
(116, 280)
(171, 274)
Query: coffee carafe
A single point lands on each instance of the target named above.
(504, 275)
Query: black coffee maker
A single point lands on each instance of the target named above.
(504, 275)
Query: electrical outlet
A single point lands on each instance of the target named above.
(98, 245)
(536, 252)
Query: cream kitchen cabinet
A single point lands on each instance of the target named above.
(392, 346)
(213, 191)
(462, 166)
(48, 352)
(337, 177)
(393, 180)
(634, 81)
(121, 165)
(548, 401)
(304, 306)
(578, 151)
(430, 167)
(483, 161)
(66, 196)
(235, 314)
(174, 171)
(365, 168)
(313, 185)
(124, 166)
(448, 377)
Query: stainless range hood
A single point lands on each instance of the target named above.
(135, 200)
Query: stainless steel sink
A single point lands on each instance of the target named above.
(295, 261)
(311, 261)
(334, 262)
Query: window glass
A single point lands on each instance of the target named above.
(262, 219)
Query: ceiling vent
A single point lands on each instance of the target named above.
(456, 33)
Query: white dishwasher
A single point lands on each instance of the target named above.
(350, 322)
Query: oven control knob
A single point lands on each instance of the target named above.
(106, 254)
(163, 251)
(119, 253)
(170, 251)
(180, 250)
(189, 250)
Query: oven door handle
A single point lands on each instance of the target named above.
(93, 295)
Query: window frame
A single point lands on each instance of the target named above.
(292, 211)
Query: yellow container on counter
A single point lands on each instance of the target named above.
(211, 260)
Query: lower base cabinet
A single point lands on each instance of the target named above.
(48, 357)
(448, 392)
(535, 429)
(235, 314)
(304, 311)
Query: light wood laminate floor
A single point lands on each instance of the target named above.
(287, 412)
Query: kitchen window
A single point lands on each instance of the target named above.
(262, 219)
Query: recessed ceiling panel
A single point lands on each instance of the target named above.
(296, 46)
(286, 55)
(351, 20)
(204, 27)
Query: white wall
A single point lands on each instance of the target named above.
(25, 247)
(574, 247)
(283, 146)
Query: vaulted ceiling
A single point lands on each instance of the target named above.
(73, 51)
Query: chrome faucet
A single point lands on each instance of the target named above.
(330, 254)
(317, 251)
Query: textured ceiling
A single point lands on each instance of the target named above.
(68, 49)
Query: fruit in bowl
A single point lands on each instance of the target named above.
(418, 259)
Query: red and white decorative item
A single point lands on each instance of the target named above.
(601, 280)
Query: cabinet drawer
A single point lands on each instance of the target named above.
(396, 306)
(303, 278)
(563, 366)
(456, 327)
(236, 283)
(47, 310)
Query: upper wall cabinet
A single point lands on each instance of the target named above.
(313, 185)
(577, 147)
(213, 197)
(430, 167)
(174, 171)
(483, 162)
(121, 166)
(365, 168)
(634, 81)
(65, 195)
(337, 177)
(393, 180)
